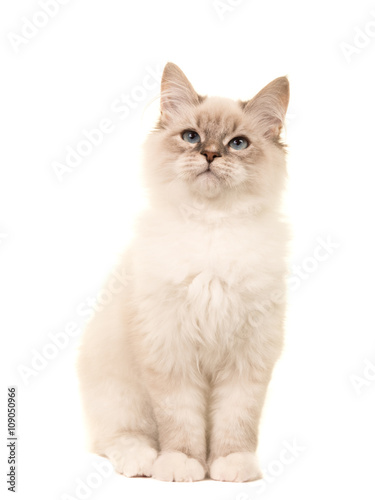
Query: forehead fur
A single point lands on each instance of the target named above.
(218, 116)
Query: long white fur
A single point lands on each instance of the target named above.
(174, 371)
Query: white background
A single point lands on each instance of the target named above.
(58, 240)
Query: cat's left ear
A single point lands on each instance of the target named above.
(176, 91)
(268, 108)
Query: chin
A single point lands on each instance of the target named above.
(207, 185)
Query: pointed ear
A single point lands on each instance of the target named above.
(268, 107)
(176, 91)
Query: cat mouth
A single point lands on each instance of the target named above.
(208, 171)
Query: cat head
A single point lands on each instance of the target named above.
(215, 149)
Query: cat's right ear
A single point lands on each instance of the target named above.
(176, 92)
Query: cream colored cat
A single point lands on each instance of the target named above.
(174, 371)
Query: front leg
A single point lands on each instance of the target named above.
(236, 406)
(179, 408)
(238, 396)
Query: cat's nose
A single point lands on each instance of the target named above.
(210, 155)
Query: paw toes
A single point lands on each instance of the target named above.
(131, 461)
(176, 466)
(236, 467)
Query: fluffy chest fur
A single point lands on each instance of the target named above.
(196, 283)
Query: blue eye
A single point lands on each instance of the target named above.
(238, 143)
(191, 136)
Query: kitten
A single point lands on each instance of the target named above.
(174, 370)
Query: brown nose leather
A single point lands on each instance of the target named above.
(210, 155)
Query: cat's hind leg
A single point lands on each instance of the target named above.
(120, 424)
(119, 416)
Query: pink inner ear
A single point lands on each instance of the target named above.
(176, 90)
(268, 107)
(274, 129)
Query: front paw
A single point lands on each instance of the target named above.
(176, 466)
(236, 467)
(132, 458)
